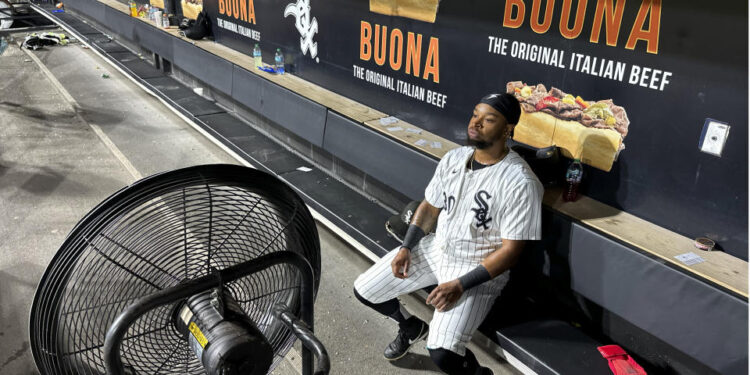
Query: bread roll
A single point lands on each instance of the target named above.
(190, 10)
(595, 147)
(535, 129)
(421, 10)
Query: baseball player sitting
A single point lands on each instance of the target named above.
(486, 202)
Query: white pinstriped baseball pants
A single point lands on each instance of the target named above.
(451, 329)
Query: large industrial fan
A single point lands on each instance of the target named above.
(200, 270)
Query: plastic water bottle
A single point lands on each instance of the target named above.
(573, 178)
(279, 61)
(257, 56)
(165, 21)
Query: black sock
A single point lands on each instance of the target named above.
(453, 364)
(390, 308)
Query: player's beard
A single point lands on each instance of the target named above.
(478, 144)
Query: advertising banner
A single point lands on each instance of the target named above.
(628, 86)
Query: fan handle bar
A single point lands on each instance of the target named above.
(306, 336)
(118, 329)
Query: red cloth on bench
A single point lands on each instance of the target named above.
(619, 361)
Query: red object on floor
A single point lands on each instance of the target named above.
(619, 361)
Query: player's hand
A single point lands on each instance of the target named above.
(445, 295)
(401, 262)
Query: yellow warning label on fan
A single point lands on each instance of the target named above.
(198, 334)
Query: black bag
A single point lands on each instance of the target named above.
(200, 29)
(186, 23)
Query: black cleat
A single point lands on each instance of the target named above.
(412, 331)
(485, 371)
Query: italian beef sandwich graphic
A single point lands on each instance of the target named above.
(592, 131)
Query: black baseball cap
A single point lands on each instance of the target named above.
(397, 224)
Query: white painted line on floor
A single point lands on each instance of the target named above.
(316, 215)
(144, 88)
(52, 79)
(76, 109)
(116, 151)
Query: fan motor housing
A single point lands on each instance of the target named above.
(224, 339)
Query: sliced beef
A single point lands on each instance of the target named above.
(568, 107)
(587, 120)
(548, 111)
(570, 114)
(557, 93)
(622, 119)
(555, 106)
(528, 108)
(536, 97)
(510, 88)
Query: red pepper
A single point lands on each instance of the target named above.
(546, 100)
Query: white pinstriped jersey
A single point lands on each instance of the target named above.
(481, 207)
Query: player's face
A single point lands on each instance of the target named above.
(486, 127)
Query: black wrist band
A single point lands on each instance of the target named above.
(474, 277)
(412, 237)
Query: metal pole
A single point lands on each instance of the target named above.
(306, 336)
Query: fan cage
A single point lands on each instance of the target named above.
(158, 233)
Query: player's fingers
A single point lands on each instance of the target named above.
(438, 298)
(447, 305)
(395, 268)
(406, 267)
(441, 306)
(431, 296)
(448, 302)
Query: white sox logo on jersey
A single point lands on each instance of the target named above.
(480, 213)
(307, 27)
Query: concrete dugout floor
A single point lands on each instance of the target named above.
(69, 138)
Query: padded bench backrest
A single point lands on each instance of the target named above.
(700, 320)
